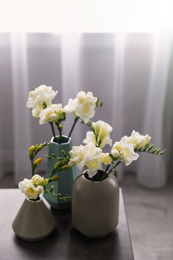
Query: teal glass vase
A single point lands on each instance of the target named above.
(67, 177)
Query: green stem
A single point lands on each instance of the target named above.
(59, 126)
(75, 121)
(114, 167)
(60, 132)
(103, 176)
(60, 135)
(54, 172)
(105, 172)
(107, 167)
(117, 164)
(155, 152)
(32, 168)
(52, 127)
(89, 125)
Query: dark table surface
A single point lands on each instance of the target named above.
(64, 242)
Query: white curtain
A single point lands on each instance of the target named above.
(130, 72)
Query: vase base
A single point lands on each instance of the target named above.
(95, 236)
(35, 239)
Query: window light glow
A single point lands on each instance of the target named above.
(90, 16)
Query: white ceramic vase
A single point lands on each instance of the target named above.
(95, 205)
(34, 221)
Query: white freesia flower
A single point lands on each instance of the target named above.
(117, 147)
(88, 155)
(22, 185)
(82, 106)
(52, 113)
(129, 154)
(125, 151)
(102, 134)
(139, 141)
(94, 165)
(106, 158)
(71, 106)
(36, 111)
(115, 152)
(31, 192)
(90, 138)
(78, 156)
(37, 180)
(94, 160)
(38, 96)
(39, 189)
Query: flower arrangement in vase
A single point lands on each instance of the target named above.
(95, 204)
(82, 107)
(95, 194)
(34, 220)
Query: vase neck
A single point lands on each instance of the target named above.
(99, 176)
(64, 139)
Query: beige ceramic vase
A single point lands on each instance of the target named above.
(34, 221)
(95, 205)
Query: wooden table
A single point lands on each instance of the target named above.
(64, 242)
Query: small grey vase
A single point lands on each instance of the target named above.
(34, 221)
(95, 205)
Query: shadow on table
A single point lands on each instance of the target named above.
(37, 249)
(66, 243)
(81, 247)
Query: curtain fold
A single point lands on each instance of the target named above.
(21, 122)
(70, 55)
(152, 169)
(129, 72)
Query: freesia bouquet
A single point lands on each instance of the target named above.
(89, 156)
(40, 100)
(92, 157)
(98, 164)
